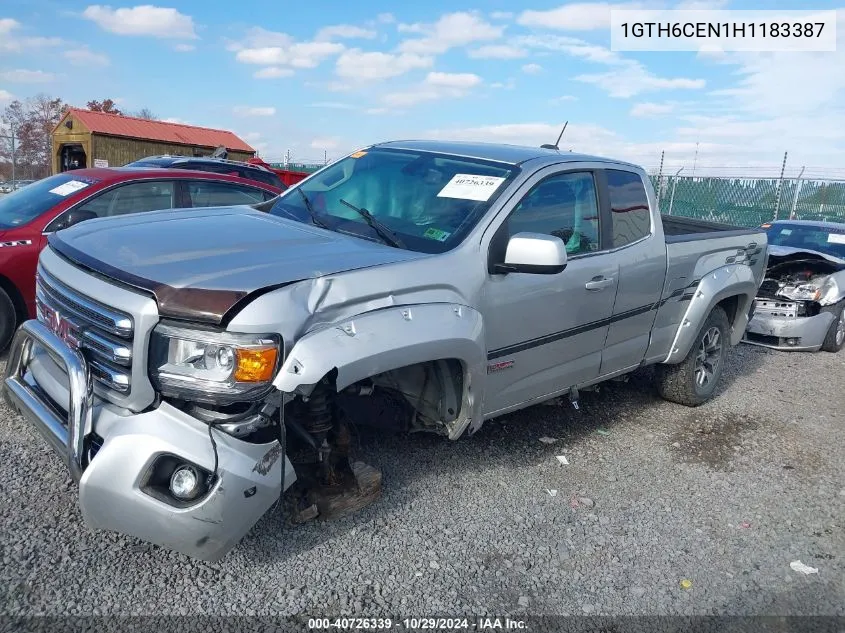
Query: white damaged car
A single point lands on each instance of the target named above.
(800, 305)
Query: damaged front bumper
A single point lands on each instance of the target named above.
(776, 324)
(114, 454)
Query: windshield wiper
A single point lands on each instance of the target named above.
(310, 209)
(388, 236)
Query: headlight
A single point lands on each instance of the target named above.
(215, 367)
(824, 291)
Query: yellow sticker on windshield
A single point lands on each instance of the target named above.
(357, 154)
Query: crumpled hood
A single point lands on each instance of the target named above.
(200, 263)
(784, 251)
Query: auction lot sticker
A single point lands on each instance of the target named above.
(471, 187)
(71, 186)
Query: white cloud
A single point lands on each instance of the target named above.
(627, 77)
(565, 98)
(532, 69)
(501, 15)
(324, 143)
(451, 30)
(11, 43)
(385, 18)
(142, 20)
(579, 16)
(647, 110)
(435, 86)
(184, 48)
(571, 46)
(254, 111)
(272, 72)
(453, 80)
(22, 76)
(174, 119)
(358, 65)
(7, 25)
(268, 48)
(344, 31)
(333, 105)
(377, 111)
(510, 84)
(498, 51)
(633, 79)
(85, 57)
(5, 95)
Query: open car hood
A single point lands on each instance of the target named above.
(788, 251)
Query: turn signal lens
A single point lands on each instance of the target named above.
(255, 364)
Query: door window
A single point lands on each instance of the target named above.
(136, 197)
(564, 205)
(629, 208)
(207, 193)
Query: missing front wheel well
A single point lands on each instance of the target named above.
(420, 397)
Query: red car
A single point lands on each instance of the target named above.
(30, 214)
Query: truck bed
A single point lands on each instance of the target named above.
(678, 229)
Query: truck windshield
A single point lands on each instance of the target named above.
(829, 240)
(428, 200)
(26, 204)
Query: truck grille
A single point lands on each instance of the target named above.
(772, 307)
(102, 334)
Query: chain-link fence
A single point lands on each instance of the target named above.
(750, 201)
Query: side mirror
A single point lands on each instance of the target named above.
(535, 253)
(69, 218)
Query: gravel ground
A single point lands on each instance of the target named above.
(724, 496)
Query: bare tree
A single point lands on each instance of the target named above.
(145, 113)
(33, 122)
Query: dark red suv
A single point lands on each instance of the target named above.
(30, 214)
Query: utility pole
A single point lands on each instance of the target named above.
(780, 185)
(325, 157)
(695, 160)
(795, 197)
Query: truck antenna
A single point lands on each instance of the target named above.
(555, 146)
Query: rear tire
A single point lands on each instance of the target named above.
(693, 381)
(8, 320)
(835, 339)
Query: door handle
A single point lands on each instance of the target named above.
(599, 283)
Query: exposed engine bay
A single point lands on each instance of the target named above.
(804, 278)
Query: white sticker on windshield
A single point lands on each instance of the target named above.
(471, 187)
(836, 238)
(71, 186)
(786, 231)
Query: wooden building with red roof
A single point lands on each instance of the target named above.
(84, 138)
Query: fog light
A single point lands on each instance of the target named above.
(185, 483)
(792, 341)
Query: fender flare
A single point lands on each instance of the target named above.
(735, 280)
(389, 338)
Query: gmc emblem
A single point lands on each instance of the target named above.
(61, 327)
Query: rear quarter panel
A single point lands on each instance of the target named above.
(700, 274)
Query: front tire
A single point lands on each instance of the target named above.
(8, 320)
(835, 339)
(693, 381)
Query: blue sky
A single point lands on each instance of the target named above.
(327, 77)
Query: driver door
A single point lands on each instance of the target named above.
(545, 332)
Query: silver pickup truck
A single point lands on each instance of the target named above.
(191, 366)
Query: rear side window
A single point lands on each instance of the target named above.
(220, 194)
(630, 216)
(136, 197)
